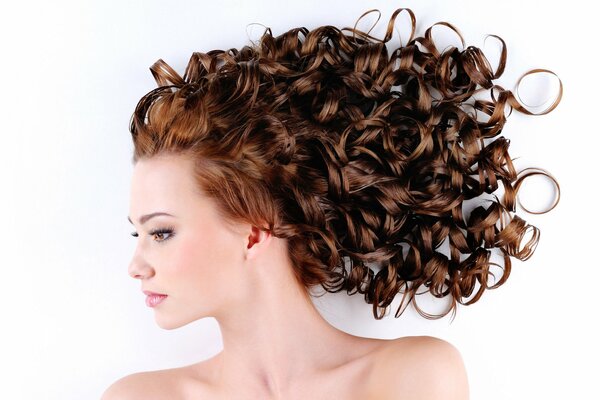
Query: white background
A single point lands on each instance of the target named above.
(72, 72)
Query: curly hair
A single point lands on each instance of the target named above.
(352, 155)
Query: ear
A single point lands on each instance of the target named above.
(257, 240)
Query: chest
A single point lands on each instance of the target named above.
(347, 390)
(350, 383)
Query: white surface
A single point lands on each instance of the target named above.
(73, 321)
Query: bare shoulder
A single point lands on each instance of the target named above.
(422, 367)
(145, 385)
(125, 388)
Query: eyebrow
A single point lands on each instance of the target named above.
(146, 217)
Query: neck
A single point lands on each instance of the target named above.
(276, 339)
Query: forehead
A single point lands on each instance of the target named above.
(162, 182)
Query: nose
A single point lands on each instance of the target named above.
(138, 268)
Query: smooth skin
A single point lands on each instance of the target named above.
(276, 345)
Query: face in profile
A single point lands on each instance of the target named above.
(191, 255)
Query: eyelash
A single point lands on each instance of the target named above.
(160, 231)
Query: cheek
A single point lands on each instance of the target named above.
(205, 263)
(190, 259)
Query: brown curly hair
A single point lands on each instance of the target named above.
(352, 155)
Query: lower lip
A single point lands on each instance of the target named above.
(154, 300)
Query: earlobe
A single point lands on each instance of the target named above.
(256, 237)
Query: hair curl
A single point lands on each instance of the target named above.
(352, 155)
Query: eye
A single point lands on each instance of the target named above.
(161, 232)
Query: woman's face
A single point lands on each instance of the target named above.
(197, 261)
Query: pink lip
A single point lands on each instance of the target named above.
(149, 293)
(154, 299)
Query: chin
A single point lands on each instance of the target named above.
(170, 325)
(167, 322)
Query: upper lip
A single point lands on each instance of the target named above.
(149, 293)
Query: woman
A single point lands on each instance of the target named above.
(293, 163)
